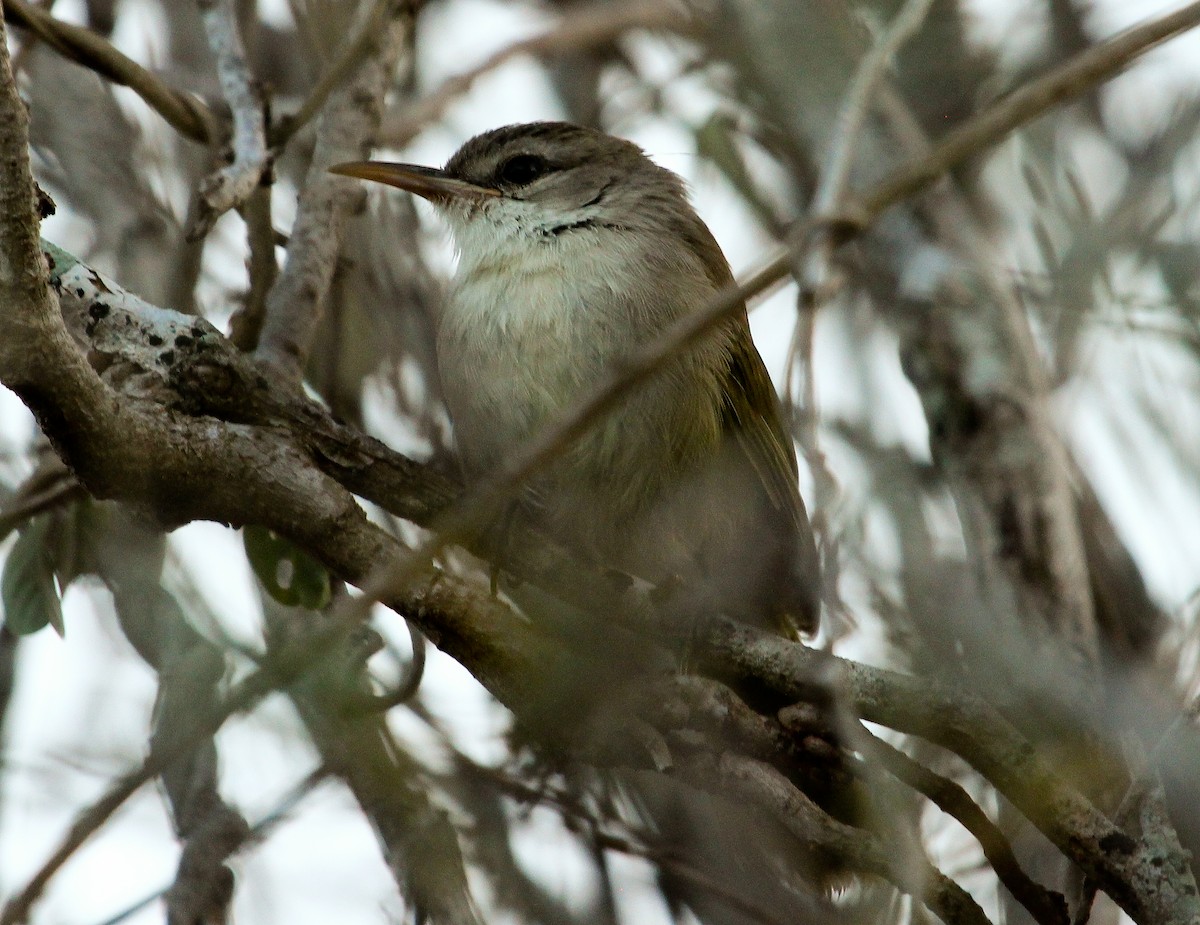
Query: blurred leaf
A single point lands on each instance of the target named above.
(1177, 264)
(290, 575)
(30, 596)
(77, 531)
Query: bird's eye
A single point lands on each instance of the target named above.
(522, 168)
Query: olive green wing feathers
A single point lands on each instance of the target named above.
(754, 423)
(786, 590)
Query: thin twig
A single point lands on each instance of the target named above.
(21, 55)
(258, 833)
(27, 503)
(408, 685)
(186, 114)
(834, 179)
(762, 785)
(852, 115)
(1082, 72)
(593, 25)
(364, 43)
(233, 184)
(1044, 906)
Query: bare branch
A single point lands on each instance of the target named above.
(365, 43)
(1097, 64)
(233, 184)
(50, 486)
(973, 729)
(186, 114)
(763, 786)
(346, 131)
(1046, 907)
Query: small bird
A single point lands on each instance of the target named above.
(574, 248)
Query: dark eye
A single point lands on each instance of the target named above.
(522, 168)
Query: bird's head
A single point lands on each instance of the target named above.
(539, 180)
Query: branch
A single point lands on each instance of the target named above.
(761, 785)
(346, 131)
(1078, 75)
(1046, 907)
(839, 160)
(233, 184)
(186, 114)
(366, 42)
(1151, 882)
(50, 486)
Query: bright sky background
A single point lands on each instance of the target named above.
(323, 865)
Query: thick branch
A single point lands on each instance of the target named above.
(289, 494)
(1151, 883)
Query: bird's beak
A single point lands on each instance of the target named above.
(428, 182)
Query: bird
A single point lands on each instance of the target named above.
(575, 248)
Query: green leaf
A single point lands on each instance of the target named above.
(30, 596)
(290, 575)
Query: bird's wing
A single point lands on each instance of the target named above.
(754, 420)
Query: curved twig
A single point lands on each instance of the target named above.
(1046, 907)
(365, 41)
(186, 114)
(762, 785)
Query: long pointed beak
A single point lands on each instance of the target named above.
(427, 182)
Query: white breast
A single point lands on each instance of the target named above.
(522, 336)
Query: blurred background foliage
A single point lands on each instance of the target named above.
(1014, 354)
